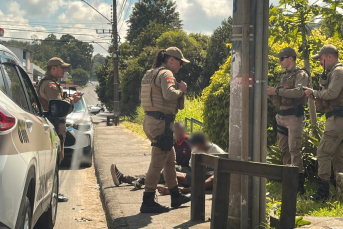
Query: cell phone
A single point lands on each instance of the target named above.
(82, 94)
(304, 89)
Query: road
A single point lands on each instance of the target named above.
(84, 209)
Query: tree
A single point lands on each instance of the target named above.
(161, 11)
(97, 61)
(332, 23)
(217, 51)
(80, 76)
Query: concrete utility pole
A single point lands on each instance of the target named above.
(248, 109)
(116, 108)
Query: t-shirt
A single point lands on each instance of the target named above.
(183, 152)
(214, 149)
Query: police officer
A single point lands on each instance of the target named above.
(329, 100)
(49, 88)
(161, 97)
(290, 97)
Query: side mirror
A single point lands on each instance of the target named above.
(94, 110)
(58, 108)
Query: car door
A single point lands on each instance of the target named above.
(31, 133)
(50, 152)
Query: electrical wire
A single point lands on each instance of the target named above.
(96, 10)
(42, 31)
(28, 39)
(127, 10)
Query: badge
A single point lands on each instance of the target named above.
(52, 86)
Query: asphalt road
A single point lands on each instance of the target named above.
(84, 208)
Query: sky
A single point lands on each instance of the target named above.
(36, 18)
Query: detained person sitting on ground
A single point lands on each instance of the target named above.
(183, 154)
(200, 144)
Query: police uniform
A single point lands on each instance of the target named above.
(49, 88)
(291, 99)
(329, 100)
(161, 99)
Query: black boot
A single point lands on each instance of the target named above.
(301, 188)
(150, 206)
(177, 198)
(322, 193)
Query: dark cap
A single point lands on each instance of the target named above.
(286, 52)
(55, 61)
(327, 49)
(175, 52)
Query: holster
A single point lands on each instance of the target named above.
(299, 110)
(282, 130)
(164, 141)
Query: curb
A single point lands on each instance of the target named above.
(114, 215)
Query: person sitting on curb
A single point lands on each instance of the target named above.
(183, 154)
(201, 145)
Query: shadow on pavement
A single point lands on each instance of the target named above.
(189, 224)
(136, 221)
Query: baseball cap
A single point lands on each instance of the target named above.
(175, 52)
(326, 49)
(286, 52)
(57, 61)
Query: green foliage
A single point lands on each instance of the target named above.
(161, 11)
(218, 50)
(301, 222)
(332, 19)
(192, 50)
(216, 110)
(80, 76)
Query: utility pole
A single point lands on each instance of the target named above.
(248, 109)
(116, 108)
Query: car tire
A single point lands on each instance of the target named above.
(48, 218)
(26, 215)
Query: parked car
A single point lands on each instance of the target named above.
(29, 150)
(78, 145)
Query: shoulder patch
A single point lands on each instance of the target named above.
(52, 85)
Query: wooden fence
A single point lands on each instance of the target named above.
(220, 201)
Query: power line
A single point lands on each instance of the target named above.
(122, 9)
(49, 26)
(127, 10)
(66, 23)
(42, 31)
(96, 10)
(28, 39)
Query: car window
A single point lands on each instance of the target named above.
(2, 83)
(33, 99)
(7, 58)
(16, 91)
(79, 106)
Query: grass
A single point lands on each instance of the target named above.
(138, 128)
(331, 208)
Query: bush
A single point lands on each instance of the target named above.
(216, 108)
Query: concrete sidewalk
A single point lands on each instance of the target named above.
(131, 153)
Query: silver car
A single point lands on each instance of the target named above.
(78, 145)
(29, 149)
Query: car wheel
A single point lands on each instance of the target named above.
(26, 215)
(48, 219)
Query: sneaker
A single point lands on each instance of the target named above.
(117, 176)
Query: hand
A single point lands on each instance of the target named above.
(182, 86)
(77, 96)
(308, 92)
(271, 91)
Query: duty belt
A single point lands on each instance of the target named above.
(160, 116)
(165, 140)
(290, 111)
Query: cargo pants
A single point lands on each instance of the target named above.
(159, 159)
(330, 148)
(290, 145)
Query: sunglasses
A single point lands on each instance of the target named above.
(282, 58)
(181, 62)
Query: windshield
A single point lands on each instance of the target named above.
(79, 107)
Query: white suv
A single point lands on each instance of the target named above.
(29, 149)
